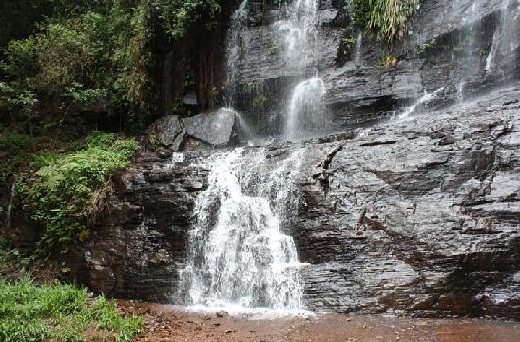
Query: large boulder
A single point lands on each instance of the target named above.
(202, 131)
(215, 129)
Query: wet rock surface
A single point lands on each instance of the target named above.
(216, 129)
(416, 216)
(140, 248)
(203, 131)
(451, 47)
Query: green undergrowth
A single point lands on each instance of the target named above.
(58, 312)
(64, 193)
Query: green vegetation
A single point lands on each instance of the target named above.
(176, 15)
(273, 49)
(427, 45)
(348, 44)
(65, 192)
(259, 101)
(385, 18)
(67, 66)
(87, 53)
(60, 312)
(79, 59)
(389, 60)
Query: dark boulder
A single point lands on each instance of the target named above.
(167, 132)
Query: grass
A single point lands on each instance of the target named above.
(60, 312)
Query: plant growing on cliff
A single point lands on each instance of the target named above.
(65, 193)
(427, 45)
(386, 18)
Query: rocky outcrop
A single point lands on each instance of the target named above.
(140, 248)
(418, 216)
(208, 130)
(216, 129)
(451, 46)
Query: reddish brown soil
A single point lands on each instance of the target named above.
(164, 323)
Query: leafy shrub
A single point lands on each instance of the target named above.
(66, 192)
(58, 312)
(89, 54)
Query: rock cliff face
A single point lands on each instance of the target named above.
(139, 249)
(452, 45)
(418, 214)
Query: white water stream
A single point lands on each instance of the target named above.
(238, 258)
(306, 110)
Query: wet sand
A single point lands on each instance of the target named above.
(164, 323)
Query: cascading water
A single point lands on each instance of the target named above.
(471, 62)
(299, 35)
(306, 109)
(238, 257)
(358, 62)
(235, 45)
(427, 97)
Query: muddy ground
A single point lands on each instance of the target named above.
(164, 323)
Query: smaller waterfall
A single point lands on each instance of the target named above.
(237, 255)
(469, 59)
(505, 40)
(357, 52)
(306, 112)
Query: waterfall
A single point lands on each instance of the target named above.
(470, 63)
(358, 62)
(238, 256)
(305, 112)
(299, 34)
(427, 97)
(306, 108)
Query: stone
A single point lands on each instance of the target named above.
(216, 129)
(166, 132)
